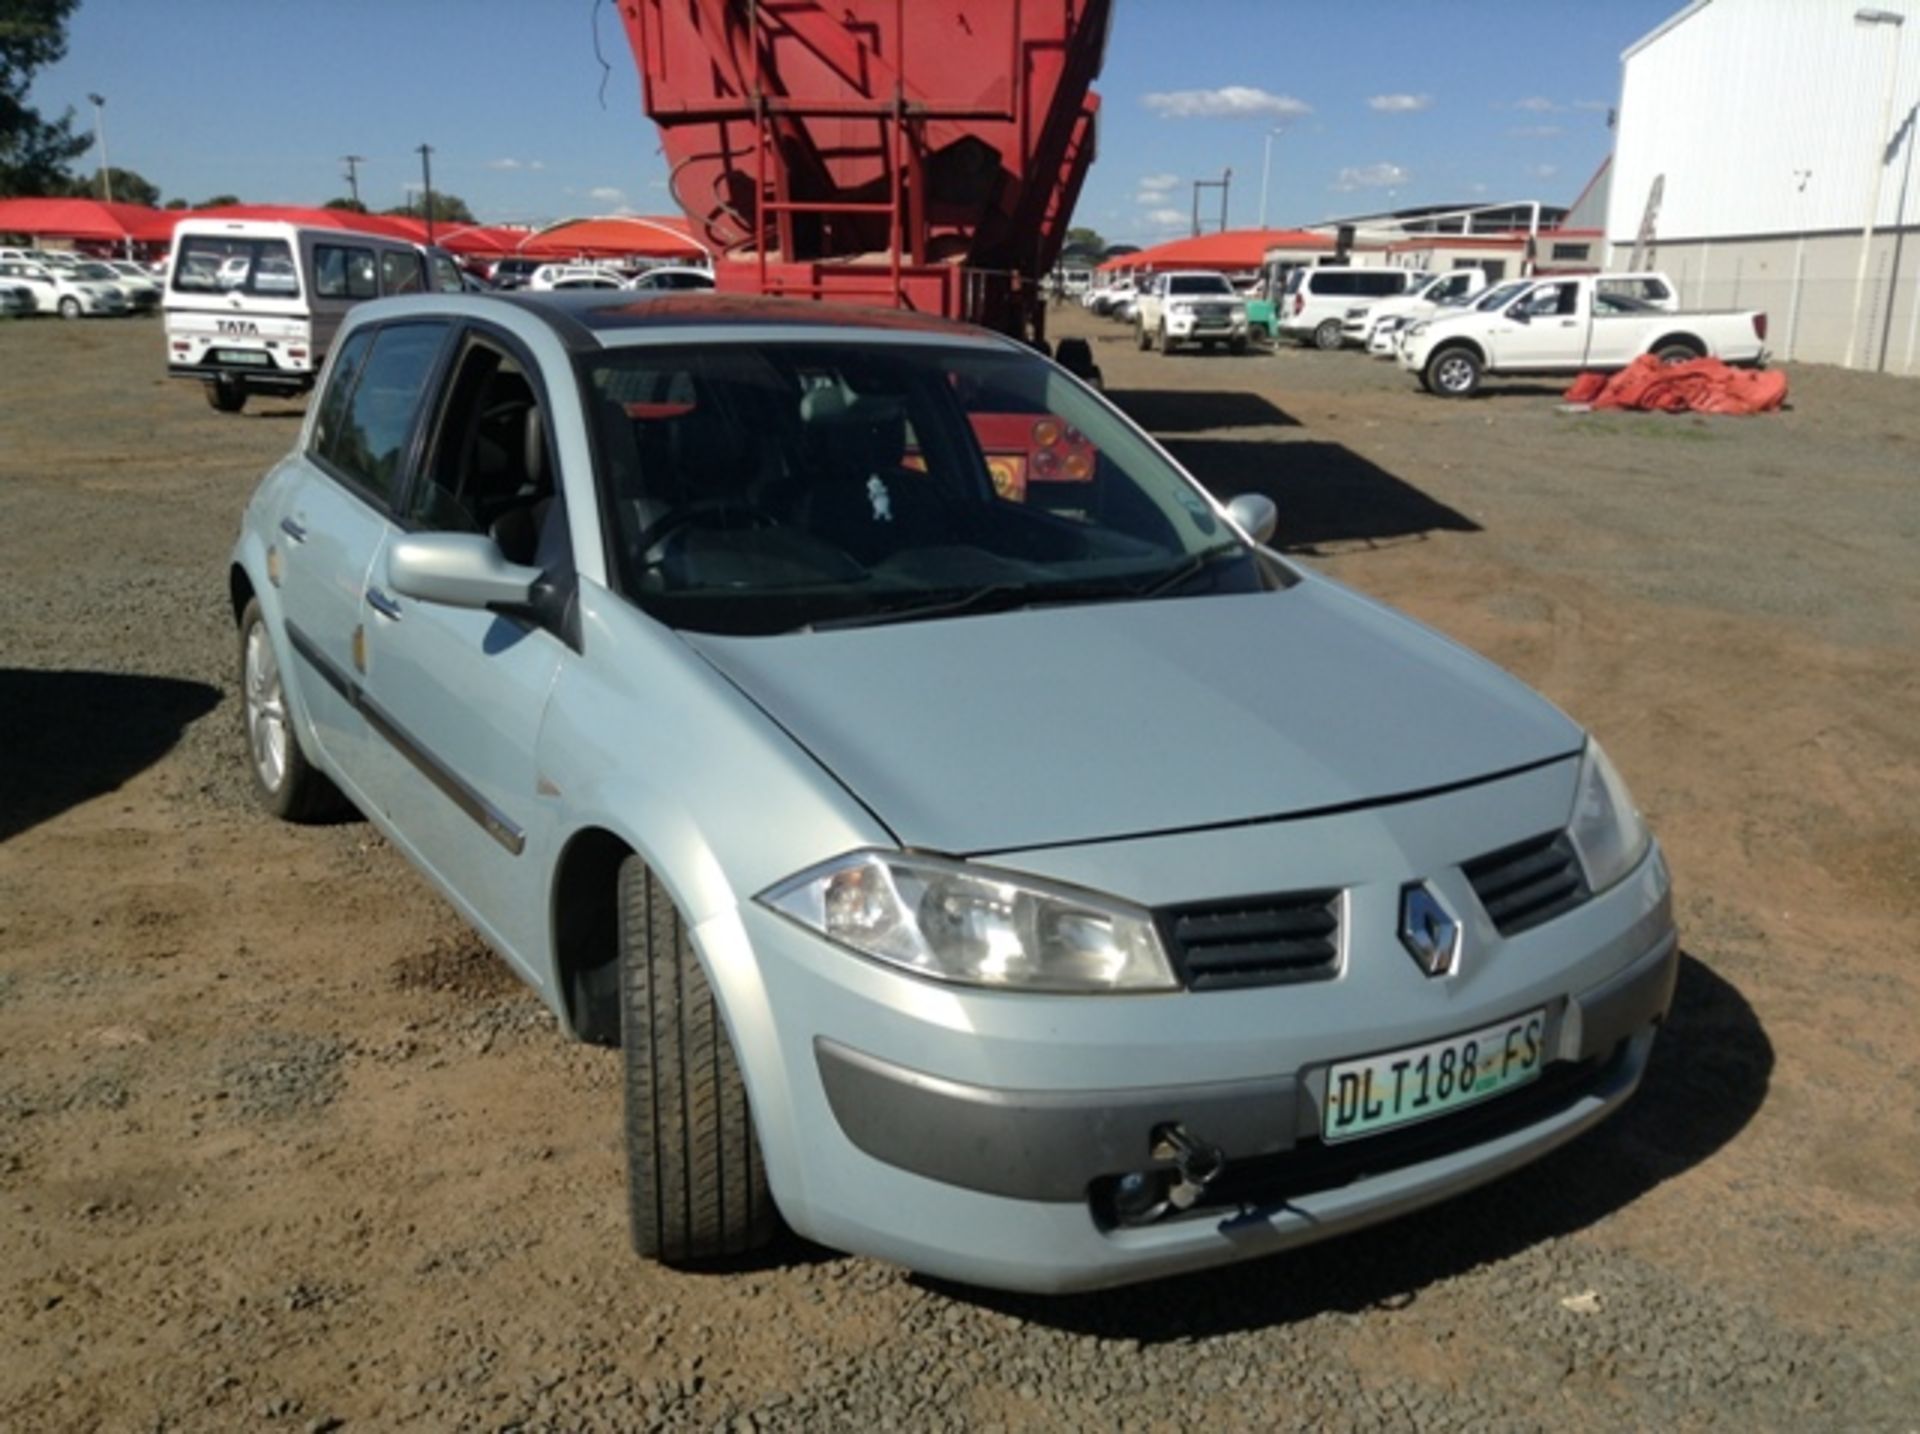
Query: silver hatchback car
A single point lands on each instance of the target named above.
(987, 854)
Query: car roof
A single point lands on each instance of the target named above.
(589, 319)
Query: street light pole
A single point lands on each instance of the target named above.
(1266, 173)
(100, 142)
(1893, 21)
(426, 177)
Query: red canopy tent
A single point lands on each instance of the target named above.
(481, 240)
(1230, 249)
(391, 226)
(655, 237)
(90, 220)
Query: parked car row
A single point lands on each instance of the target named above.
(538, 277)
(33, 281)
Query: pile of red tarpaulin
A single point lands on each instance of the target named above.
(1698, 386)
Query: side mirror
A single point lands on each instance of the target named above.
(459, 570)
(1255, 515)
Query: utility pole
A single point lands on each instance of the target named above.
(353, 163)
(100, 142)
(426, 179)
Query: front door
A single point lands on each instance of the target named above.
(1550, 336)
(458, 695)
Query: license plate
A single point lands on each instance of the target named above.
(1377, 1093)
(245, 356)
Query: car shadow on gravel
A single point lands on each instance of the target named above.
(67, 737)
(1707, 1078)
(1184, 410)
(1326, 493)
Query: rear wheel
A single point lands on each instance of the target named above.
(696, 1183)
(227, 393)
(1673, 353)
(286, 783)
(1453, 373)
(1327, 335)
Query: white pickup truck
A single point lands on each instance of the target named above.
(1361, 322)
(1571, 325)
(1199, 307)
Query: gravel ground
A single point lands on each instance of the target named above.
(281, 1147)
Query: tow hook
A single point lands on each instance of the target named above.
(1198, 1161)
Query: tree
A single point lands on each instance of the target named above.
(1085, 239)
(129, 187)
(447, 209)
(219, 201)
(34, 152)
(353, 206)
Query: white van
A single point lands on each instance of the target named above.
(1315, 302)
(253, 304)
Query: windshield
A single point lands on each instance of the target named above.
(1199, 284)
(1497, 296)
(760, 488)
(96, 271)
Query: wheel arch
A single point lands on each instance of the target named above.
(240, 590)
(1472, 346)
(1681, 338)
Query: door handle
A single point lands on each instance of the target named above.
(296, 531)
(383, 604)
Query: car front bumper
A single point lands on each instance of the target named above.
(1191, 328)
(969, 1134)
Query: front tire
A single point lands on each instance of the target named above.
(696, 1182)
(1162, 342)
(285, 782)
(1142, 337)
(1452, 373)
(70, 308)
(1327, 336)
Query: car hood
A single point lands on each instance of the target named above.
(1073, 724)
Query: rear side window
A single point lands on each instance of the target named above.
(342, 271)
(1378, 285)
(400, 272)
(1333, 285)
(333, 403)
(363, 436)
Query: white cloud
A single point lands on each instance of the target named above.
(509, 162)
(1535, 131)
(1544, 171)
(607, 194)
(1371, 176)
(1227, 102)
(1591, 105)
(1157, 183)
(1477, 188)
(1399, 104)
(1537, 104)
(1166, 218)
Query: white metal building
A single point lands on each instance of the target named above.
(1754, 135)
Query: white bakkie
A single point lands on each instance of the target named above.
(1571, 325)
(1200, 308)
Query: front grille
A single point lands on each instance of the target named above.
(1528, 883)
(1255, 940)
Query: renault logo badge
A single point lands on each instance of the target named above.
(1428, 930)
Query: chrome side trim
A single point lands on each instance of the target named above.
(491, 819)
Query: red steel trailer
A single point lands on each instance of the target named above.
(919, 154)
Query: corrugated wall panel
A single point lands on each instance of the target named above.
(1761, 114)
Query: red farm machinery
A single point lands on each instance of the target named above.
(915, 154)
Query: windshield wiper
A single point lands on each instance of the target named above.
(1178, 574)
(996, 597)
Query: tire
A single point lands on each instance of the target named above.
(1327, 336)
(1238, 344)
(227, 393)
(1677, 353)
(696, 1182)
(70, 308)
(1142, 337)
(1452, 373)
(285, 782)
(1161, 342)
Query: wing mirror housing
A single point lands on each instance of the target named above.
(1255, 515)
(460, 570)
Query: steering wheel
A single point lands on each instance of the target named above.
(744, 513)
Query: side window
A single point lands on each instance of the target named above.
(333, 403)
(1383, 284)
(368, 443)
(343, 272)
(490, 469)
(446, 277)
(400, 272)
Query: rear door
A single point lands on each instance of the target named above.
(455, 695)
(334, 521)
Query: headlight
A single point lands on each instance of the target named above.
(954, 921)
(1606, 830)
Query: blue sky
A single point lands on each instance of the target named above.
(1379, 102)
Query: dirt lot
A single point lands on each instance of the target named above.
(280, 1147)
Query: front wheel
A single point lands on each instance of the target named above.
(227, 393)
(1237, 344)
(1453, 373)
(1142, 337)
(69, 308)
(1162, 342)
(696, 1182)
(1327, 335)
(286, 783)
